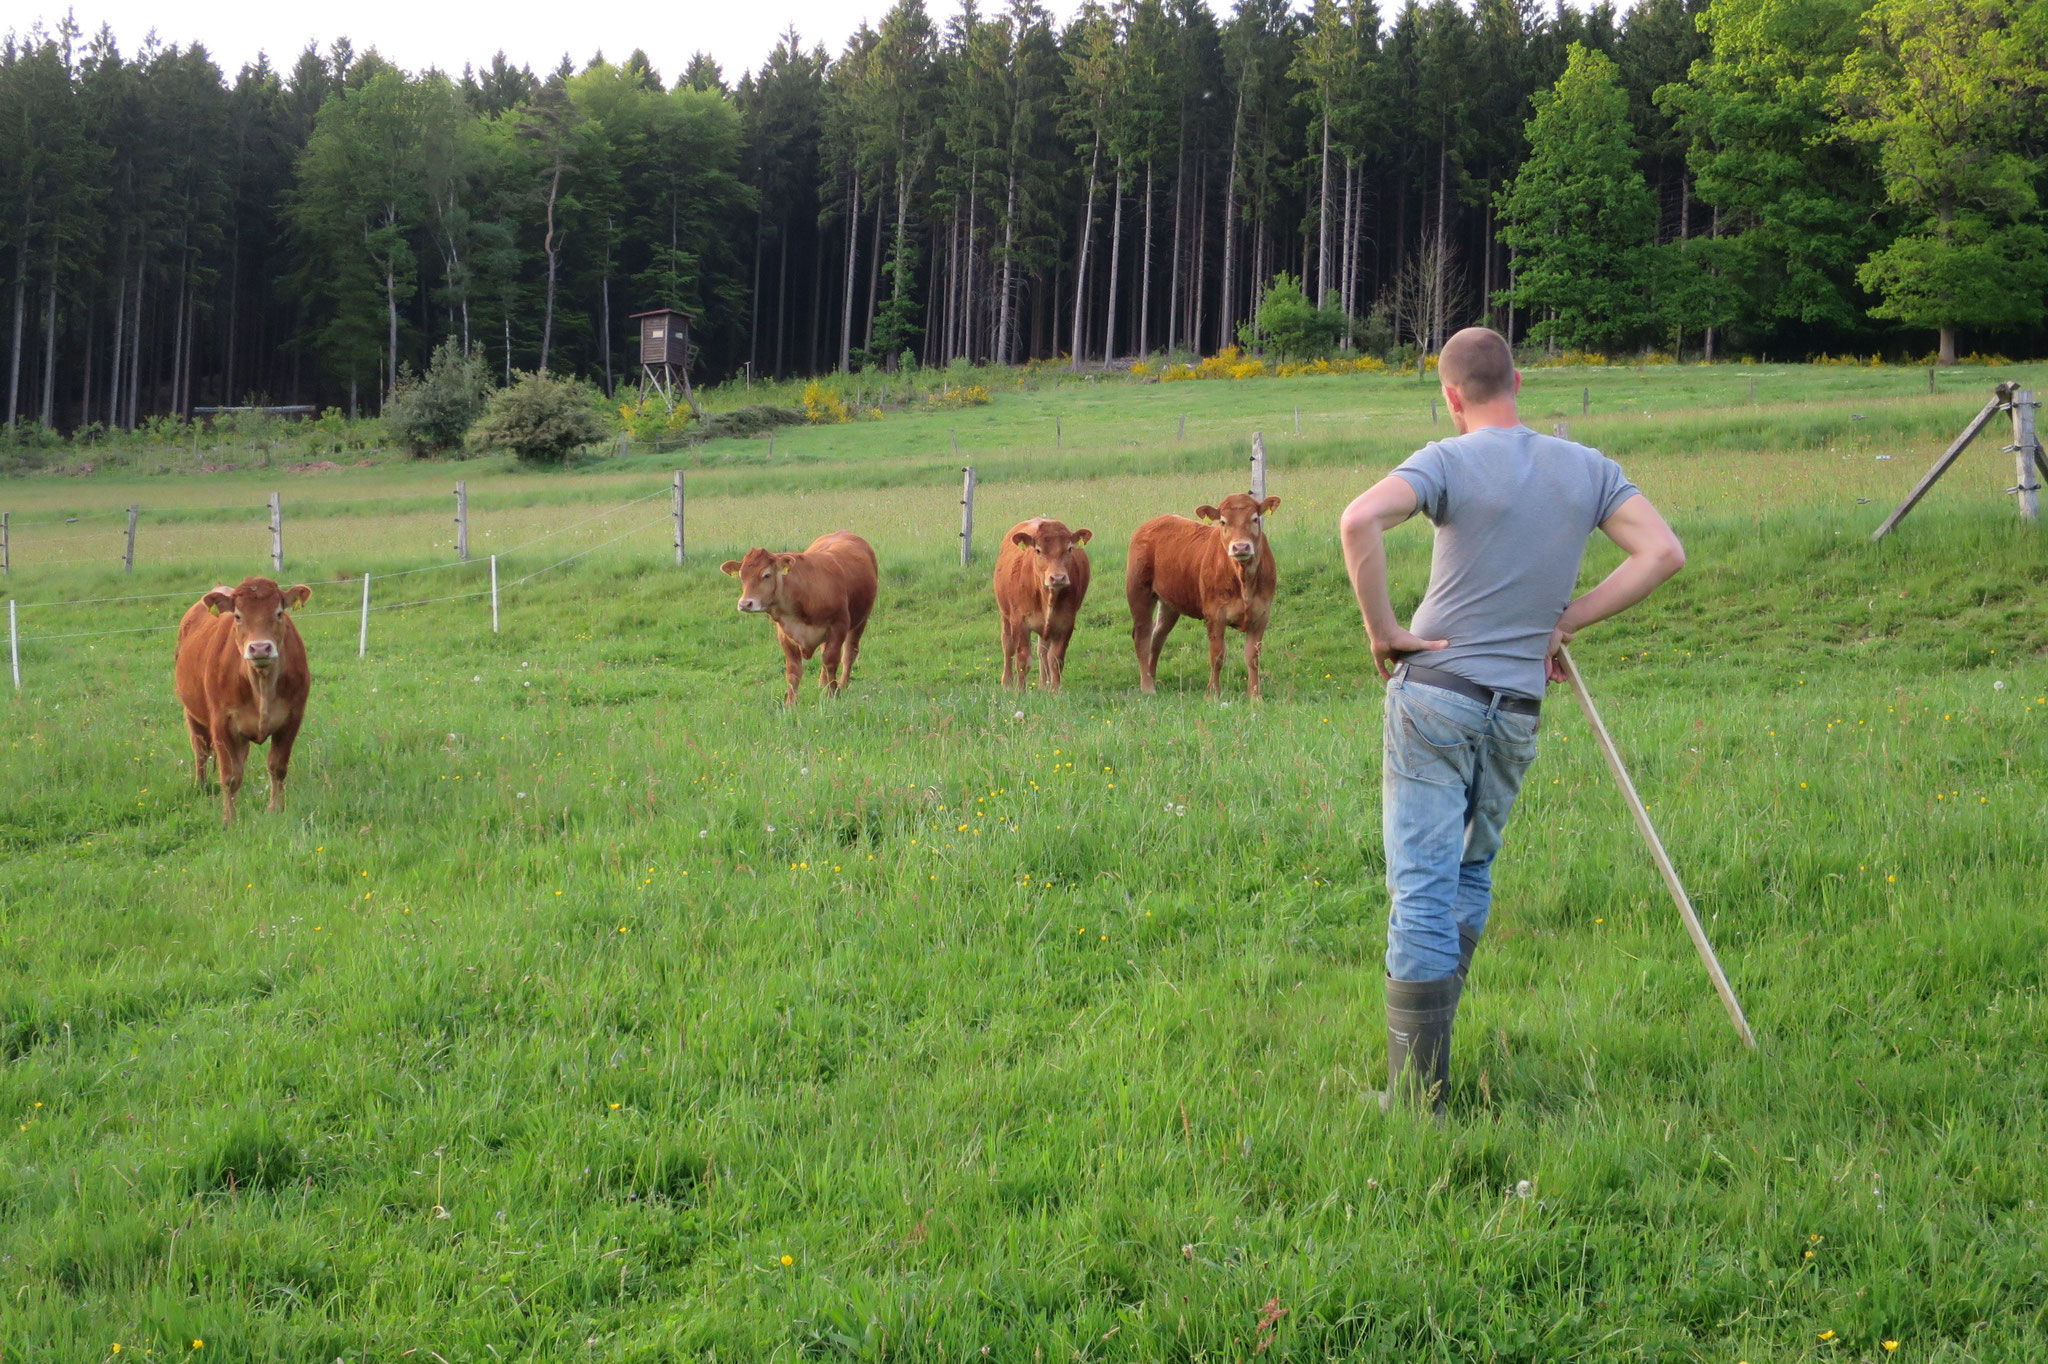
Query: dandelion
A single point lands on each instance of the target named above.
(788, 1260)
(1827, 1335)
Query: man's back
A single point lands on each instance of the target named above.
(1512, 511)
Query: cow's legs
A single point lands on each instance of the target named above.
(202, 748)
(280, 761)
(231, 751)
(1216, 628)
(828, 669)
(792, 668)
(1009, 651)
(852, 651)
(1055, 661)
(1138, 592)
(1254, 641)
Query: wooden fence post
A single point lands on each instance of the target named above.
(1930, 381)
(1563, 430)
(1297, 415)
(676, 514)
(1948, 457)
(1586, 402)
(13, 645)
(2025, 445)
(462, 520)
(1258, 466)
(967, 516)
(277, 534)
(1432, 411)
(6, 567)
(363, 631)
(128, 555)
(494, 594)
(1183, 427)
(954, 436)
(1059, 438)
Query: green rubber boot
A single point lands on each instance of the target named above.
(1419, 1015)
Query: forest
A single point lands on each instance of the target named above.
(1774, 178)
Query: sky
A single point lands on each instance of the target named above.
(420, 33)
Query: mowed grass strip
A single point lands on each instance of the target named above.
(587, 1003)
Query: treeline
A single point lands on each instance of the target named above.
(1774, 176)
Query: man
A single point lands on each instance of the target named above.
(1512, 512)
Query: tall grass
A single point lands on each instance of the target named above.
(585, 1003)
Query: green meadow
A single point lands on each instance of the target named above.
(586, 1003)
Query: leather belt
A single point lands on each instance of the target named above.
(1485, 696)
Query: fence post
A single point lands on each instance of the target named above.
(13, 645)
(1930, 381)
(1059, 438)
(1259, 466)
(277, 534)
(967, 516)
(1297, 415)
(363, 630)
(1586, 402)
(677, 515)
(5, 567)
(1752, 390)
(2024, 445)
(1563, 430)
(1432, 411)
(954, 436)
(1183, 427)
(462, 520)
(128, 555)
(494, 594)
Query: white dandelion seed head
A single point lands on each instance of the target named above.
(1523, 1188)
(1998, 686)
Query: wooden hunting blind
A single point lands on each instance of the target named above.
(665, 354)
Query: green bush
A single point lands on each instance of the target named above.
(541, 418)
(434, 411)
(1285, 321)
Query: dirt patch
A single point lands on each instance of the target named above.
(207, 466)
(78, 470)
(318, 466)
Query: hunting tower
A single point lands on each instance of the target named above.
(665, 355)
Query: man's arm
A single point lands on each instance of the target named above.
(1363, 525)
(1654, 554)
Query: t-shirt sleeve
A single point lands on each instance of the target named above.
(1614, 488)
(1428, 472)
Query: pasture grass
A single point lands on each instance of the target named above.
(586, 1004)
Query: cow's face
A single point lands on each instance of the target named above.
(1243, 519)
(761, 576)
(258, 606)
(1051, 549)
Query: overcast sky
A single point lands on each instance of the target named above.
(421, 33)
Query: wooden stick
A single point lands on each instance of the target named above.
(2025, 451)
(1663, 860)
(1948, 457)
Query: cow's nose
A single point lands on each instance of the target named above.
(260, 651)
(1240, 549)
(1056, 579)
(746, 603)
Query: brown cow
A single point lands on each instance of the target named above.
(1041, 581)
(1222, 573)
(821, 596)
(242, 678)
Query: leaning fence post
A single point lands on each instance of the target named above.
(128, 556)
(462, 520)
(13, 645)
(277, 534)
(1259, 466)
(363, 630)
(2024, 445)
(677, 516)
(967, 516)
(494, 594)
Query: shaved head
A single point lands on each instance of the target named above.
(1478, 363)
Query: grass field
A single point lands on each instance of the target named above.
(587, 1004)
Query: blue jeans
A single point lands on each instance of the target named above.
(1452, 769)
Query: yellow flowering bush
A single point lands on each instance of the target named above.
(1568, 359)
(1143, 370)
(965, 395)
(823, 407)
(650, 419)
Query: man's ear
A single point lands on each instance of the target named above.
(298, 594)
(219, 600)
(1205, 512)
(1271, 504)
(730, 568)
(1023, 539)
(1083, 536)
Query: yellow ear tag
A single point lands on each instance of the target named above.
(782, 569)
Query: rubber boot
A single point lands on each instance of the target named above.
(1419, 1015)
(1468, 943)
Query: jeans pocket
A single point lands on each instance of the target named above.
(1434, 722)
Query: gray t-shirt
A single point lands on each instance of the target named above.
(1512, 511)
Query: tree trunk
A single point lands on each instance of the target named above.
(114, 356)
(852, 245)
(874, 276)
(1323, 223)
(391, 322)
(135, 347)
(1199, 294)
(1227, 314)
(1007, 303)
(49, 409)
(552, 247)
(965, 344)
(754, 307)
(781, 297)
(817, 297)
(609, 386)
(1116, 255)
(1180, 196)
(227, 378)
(14, 351)
(1081, 264)
(1145, 276)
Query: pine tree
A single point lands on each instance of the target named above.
(1579, 214)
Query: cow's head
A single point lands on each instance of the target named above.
(761, 576)
(259, 606)
(1243, 519)
(1051, 547)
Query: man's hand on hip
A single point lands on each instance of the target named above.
(1391, 651)
(1553, 666)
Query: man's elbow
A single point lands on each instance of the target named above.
(1672, 557)
(1356, 522)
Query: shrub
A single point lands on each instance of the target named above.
(1290, 324)
(651, 420)
(959, 395)
(541, 418)
(434, 411)
(823, 407)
